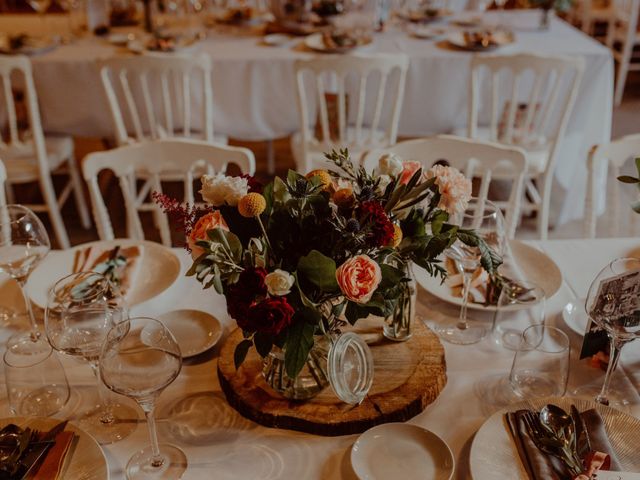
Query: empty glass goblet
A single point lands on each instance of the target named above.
(139, 359)
(487, 220)
(81, 309)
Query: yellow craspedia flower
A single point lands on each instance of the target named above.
(397, 235)
(252, 205)
(325, 178)
(344, 198)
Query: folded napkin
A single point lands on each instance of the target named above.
(51, 466)
(96, 259)
(540, 466)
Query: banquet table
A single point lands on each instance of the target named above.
(219, 443)
(254, 95)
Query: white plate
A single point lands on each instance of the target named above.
(401, 451)
(426, 31)
(158, 270)
(537, 267)
(120, 39)
(501, 37)
(86, 461)
(316, 43)
(31, 45)
(494, 455)
(575, 316)
(195, 331)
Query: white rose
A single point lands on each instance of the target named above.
(219, 189)
(390, 164)
(385, 180)
(279, 282)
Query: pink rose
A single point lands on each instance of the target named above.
(408, 169)
(358, 278)
(199, 231)
(453, 186)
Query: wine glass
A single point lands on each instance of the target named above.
(81, 309)
(41, 6)
(69, 6)
(23, 244)
(139, 359)
(613, 303)
(486, 219)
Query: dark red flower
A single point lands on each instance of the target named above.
(374, 219)
(251, 283)
(254, 185)
(270, 316)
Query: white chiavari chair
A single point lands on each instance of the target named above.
(476, 159)
(620, 220)
(3, 179)
(30, 156)
(622, 37)
(525, 100)
(191, 158)
(368, 97)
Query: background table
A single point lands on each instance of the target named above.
(218, 442)
(254, 95)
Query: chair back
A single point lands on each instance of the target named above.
(623, 26)
(368, 92)
(190, 158)
(530, 99)
(153, 96)
(607, 161)
(476, 159)
(3, 178)
(21, 139)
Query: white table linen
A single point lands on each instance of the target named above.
(255, 99)
(221, 444)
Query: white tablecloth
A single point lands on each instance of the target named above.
(254, 89)
(220, 443)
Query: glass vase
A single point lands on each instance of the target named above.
(398, 325)
(311, 380)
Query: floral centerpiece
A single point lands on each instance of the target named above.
(302, 256)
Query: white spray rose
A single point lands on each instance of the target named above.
(384, 181)
(219, 189)
(279, 282)
(390, 164)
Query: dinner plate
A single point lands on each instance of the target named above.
(494, 455)
(195, 331)
(537, 267)
(158, 270)
(575, 316)
(316, 43)
(277, 39)
(424, 17)
(401, 451)
(501, 37)
(31, 45)
(426, 32)
(84, 461)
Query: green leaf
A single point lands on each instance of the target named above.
(320, 270)
(241, 351)
(267, 193)
(292, 178)
(194, 266)
(229, 241)
(628, 179)
(438, 220)
(281, 193)
(391, 276)
(299, 342)
(263, 343)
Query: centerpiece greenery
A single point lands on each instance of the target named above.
(301, 257)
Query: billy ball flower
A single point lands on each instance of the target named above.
(397, 236)
(344, 198)
(252, 205)
(323, 176)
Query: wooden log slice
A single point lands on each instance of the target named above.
(408, 377)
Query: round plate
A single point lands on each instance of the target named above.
(501, 37)
(158, 270)
(195, 331)
(85, 460)
(494, 455)
(316, 43)
(537, 266)
(276, 39)
(31, 46)
(423, 17)
(426, 32)
(401, 451)
(575, 316)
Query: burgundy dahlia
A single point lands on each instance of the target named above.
(373, 218)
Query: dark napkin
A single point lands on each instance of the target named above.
(540, 466)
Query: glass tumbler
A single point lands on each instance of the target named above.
(541, 364)
(520, 305)
(35, 380)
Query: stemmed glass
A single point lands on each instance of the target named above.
(486, 219)
(613, 303)
(139, 359)
(81, 309)
(41, 6)
(23, 244)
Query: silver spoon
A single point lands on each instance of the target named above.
(562, 426)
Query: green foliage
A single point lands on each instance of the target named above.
(240, 353)
(300, 340)
(320, 270)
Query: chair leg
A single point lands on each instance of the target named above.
(545, 205)
(51, 201)
(78, 193)
(623, 68)
(11, 198)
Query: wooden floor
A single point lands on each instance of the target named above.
(626, 120)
